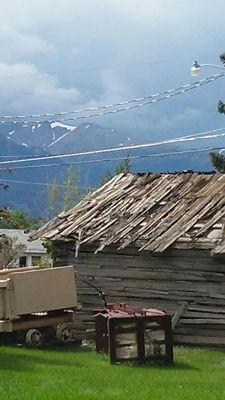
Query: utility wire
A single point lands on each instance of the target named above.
(172, 153)
(160, 96)
(121, 66)
(96, 68)
(42, 184)
(104, 106)
(16, 156)
(179, 137)
(193, 137)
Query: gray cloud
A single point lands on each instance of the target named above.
(14, 43)
(25, 89)
(49, 48)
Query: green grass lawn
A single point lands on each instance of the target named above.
(66, 373)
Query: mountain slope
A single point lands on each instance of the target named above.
(57, 137)
(30, 197)
(22, 140)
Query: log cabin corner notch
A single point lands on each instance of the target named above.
(151, 240)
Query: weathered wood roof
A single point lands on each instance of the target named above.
(153, 211)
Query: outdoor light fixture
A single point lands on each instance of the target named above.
(196, 67)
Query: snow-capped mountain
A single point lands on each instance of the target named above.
(21, 140)
(57, 137)
(41, 135)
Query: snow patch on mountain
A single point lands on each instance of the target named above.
(60, 125)
(69, 128)
(57, 140)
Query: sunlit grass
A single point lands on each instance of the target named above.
(66, 373)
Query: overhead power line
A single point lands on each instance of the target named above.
(96, 161)
(16, 156)
(133, 64)
(42, 184)
(198, 136)
(159, 97)
(167, 141)
(106, 106)
(96, 68)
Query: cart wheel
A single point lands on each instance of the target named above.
(34, 337)
(63, 334)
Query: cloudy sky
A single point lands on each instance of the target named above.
(66, 54)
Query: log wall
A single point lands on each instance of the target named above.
(164, 282)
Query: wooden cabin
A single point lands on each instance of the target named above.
(154, 241)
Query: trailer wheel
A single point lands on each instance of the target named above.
(63, 334)
(34, 337)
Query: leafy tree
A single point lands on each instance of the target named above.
(53, 200)
(71, 193)
(217, 159)
(13, 219)
(221, 107)
(222, 58)
(63, 198)
(10, 250)
(46, 261)
(124, 166)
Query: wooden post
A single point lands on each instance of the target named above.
(178, 314)
(140, 340)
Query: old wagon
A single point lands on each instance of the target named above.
(36, 303)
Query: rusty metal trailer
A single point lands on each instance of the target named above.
(37, 303)
(134, 335)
